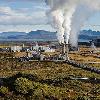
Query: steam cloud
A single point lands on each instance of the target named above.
(57, 22)
(69, 16)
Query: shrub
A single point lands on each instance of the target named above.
(37, 95)
(46, 91)
(23, 85)
(3, 90)
(82, 98)
(13, 97)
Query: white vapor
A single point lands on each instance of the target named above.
(67, 23)
(81, 14)
(85, 9)
(57, 22)
(70, 15)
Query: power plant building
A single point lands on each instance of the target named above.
(44, 48)
(16, 48)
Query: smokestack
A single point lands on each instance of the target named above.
(66, 49)
(69, 16)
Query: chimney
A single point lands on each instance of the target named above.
(65, 49)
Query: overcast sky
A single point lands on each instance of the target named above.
(28, 15)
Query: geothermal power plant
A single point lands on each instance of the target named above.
(68, 17)
(49, 50)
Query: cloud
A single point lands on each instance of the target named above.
(23, 0)
(25, 16)
(24, 28)
(6, 11)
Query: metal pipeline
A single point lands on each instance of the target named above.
(83, 66)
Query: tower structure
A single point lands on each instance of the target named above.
(65, 49)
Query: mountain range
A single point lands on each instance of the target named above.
(89, 35)
(45, 35)
(33, 35)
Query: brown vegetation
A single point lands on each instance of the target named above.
(47, 80)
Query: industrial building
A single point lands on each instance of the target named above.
(44, 48)
(16, 48)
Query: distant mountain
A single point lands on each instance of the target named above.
(89, 34)
(35, 35)
(8, 34)
(41, 34)
(85, 35)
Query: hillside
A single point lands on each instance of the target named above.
(85, 35)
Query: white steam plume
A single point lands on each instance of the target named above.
(67, 23)
(84, 11)
(70, 15)
(81, 14)
(57, 23)
(62, 11)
